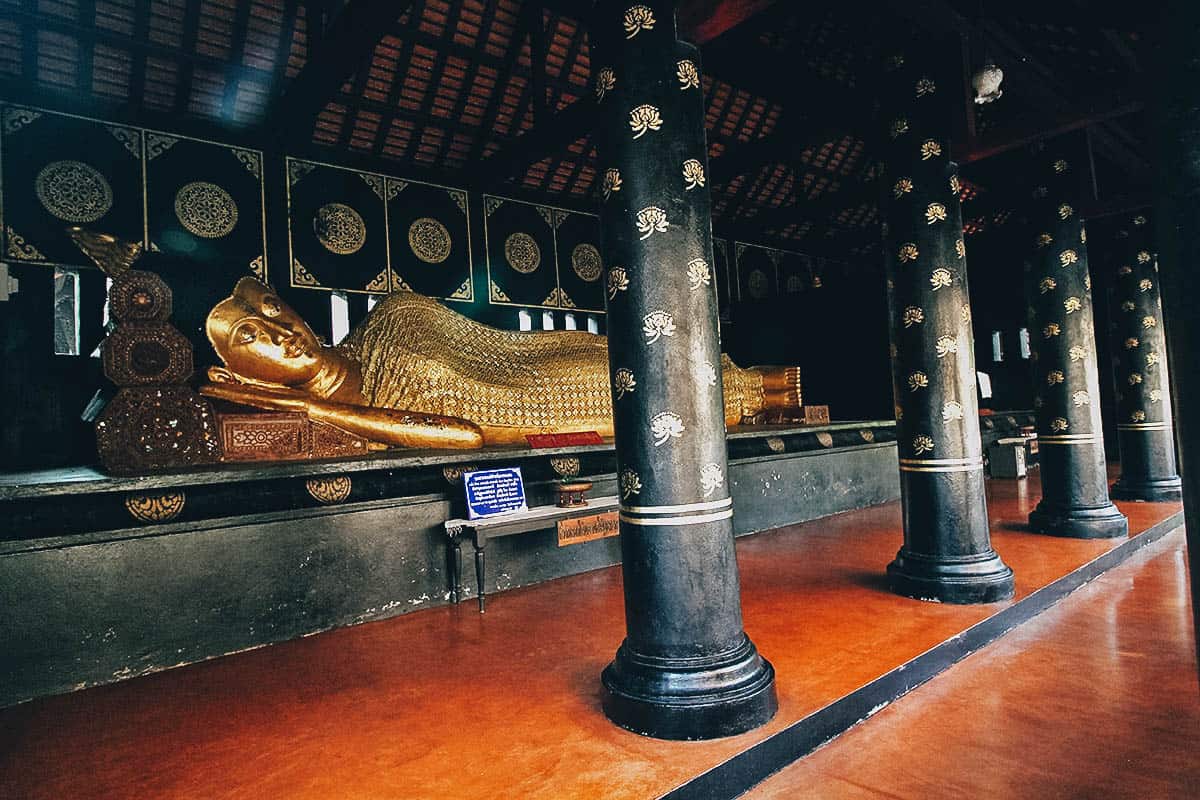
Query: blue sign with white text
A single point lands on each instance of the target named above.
(494, 491)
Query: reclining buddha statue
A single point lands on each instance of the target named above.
(416, 374)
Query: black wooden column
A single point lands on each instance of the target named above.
(1075, 498)
(947, 553)
(1144, 430)
(686, 669)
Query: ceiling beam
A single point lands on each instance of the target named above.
(1082, 116)
(334, 54)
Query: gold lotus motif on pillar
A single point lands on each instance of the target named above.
(1156, 395)
(637, 19)
(618, 281)
(918, 380)
(698, 273)
(1044, 240)
(1135, 378)
(1052, 329)
(1145, 285)
(611, 182)
(1047, 285)
(913, 315)
(1138, 416)
(712, 477)
(1072, 304)
(1058, 425)
(1077, 353)
(666, 426)
(930, 149)
(339, 229)
(952, 411)
(623, 382)
(1055, 377)
(688, 75)
(1060, 166)
(657, 324)
(922, 445)
(908, 252)
(644, 118)
(941, 277)
(945, 345)
(1151, 359)
(899, 128)
(606, 81)
(205, 210)
(925, 86)
(1065, 211)
(651, 220)
(960, 248)
(1131, 343)
(631, 484)
(429, 240)
(1068, 257)
(902, 187)
(522, 253)
(1143, 257)
(1128, 305)
(1081, 399)
(693, 174)
(935, 212)
(1149, 322)
(73, 191)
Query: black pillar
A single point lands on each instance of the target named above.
(1177, 102)
(1140, 371)
(1075, 498)
(947, 553)
(686, 669)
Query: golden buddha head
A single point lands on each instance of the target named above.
(261, 339)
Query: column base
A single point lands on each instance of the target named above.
(1105, 522)
(1151, 490)
(981, 578)
(690, 698)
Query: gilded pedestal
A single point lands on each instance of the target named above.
(947, 553)
(686, 669)
(1140, 372)
(1075, 499)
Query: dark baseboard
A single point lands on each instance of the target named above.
(741, 772)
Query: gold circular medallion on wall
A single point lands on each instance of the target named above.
(340, 229)
(825, 438)
(756, 284)
(566, 467)
(775, 444)
(329, 491)
(73, 191)
(154, 507)
(206, 210)
(429, 240)
(522, 253)
(585, 260)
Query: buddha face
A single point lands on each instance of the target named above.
(260, 337)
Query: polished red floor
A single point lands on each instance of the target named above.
(448, 703)
(1096, 698)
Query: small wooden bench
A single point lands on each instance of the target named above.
(480, 530)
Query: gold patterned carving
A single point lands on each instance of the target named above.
(490, 204)
(644, 118)
(497, 294)
(606, 81)
(454, 474)
(376, 183)
(776, 444)
(73, 191)
(459, 198)
(566, 466)
(651, 220)
(585, 260)
(301, 276)
(381, 282)
(21, 250)
(339, 229)
(547, 214)
(825, 438)
(158, 143)
(298, 169)
(637, 19)
(688, 75)
(429, 240)
(757, 284)
(129, 138)
(249, 159)
(155, 507)
(558, 297)
(258, 268)
(205, 210)
(693, 174)
(463, 292)
(17, 118)
(522, 253)
(867, 435)
(394, 186)
(329, 491)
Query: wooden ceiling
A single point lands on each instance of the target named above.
(497, 92)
